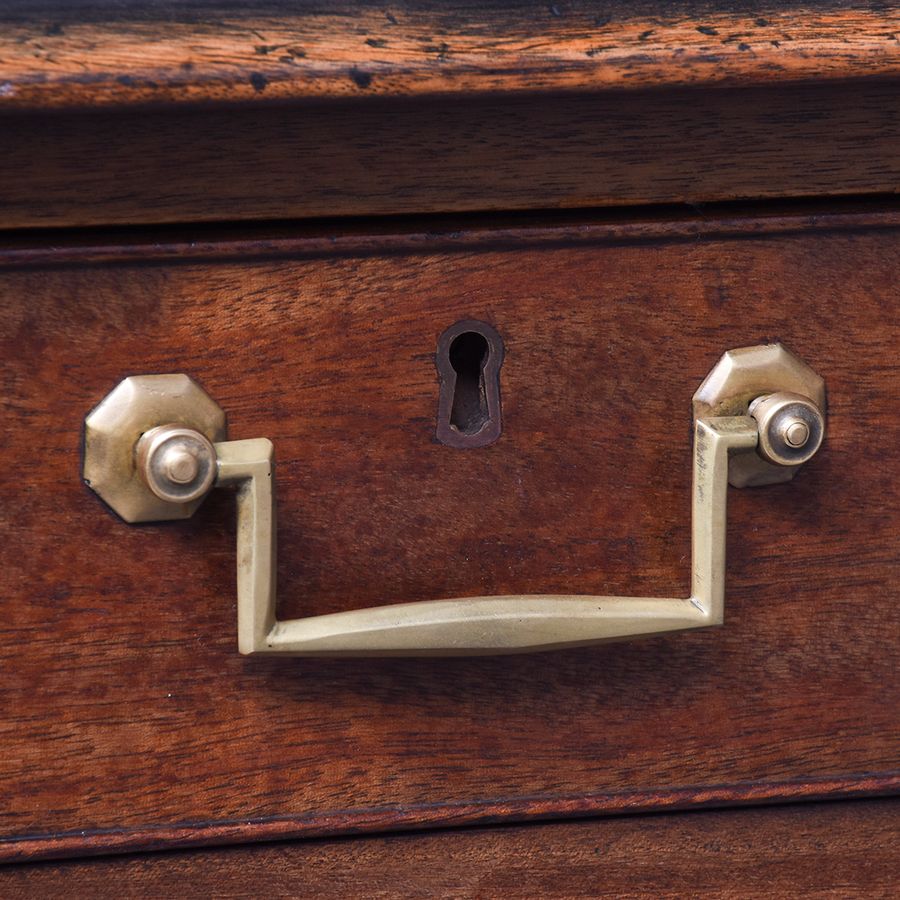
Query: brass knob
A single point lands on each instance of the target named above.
(791, 428)
(178, 464)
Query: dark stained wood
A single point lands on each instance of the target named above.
(834, 849)
(127, 706)
(61, 54)
(398, 156)
(409, 235)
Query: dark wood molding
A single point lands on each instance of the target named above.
(822, 849)
(407, 156)
(439, 234)
(31, 848)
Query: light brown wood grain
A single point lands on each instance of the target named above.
(51, 56)
(817, 850)
(126, 705)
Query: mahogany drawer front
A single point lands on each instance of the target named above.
(828, 849)
(131, 719)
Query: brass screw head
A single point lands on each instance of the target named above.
(791, 427)
(180, 465)
(796, 433)
(177, 463)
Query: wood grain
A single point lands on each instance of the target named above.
(126, 705)
(404, 156)
(63, 55)
(825, 850)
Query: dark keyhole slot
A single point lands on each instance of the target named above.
(468, 360)
(468, 355)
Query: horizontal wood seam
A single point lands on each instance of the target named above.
(442, 815)
(41, 251)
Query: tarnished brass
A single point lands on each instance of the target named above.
(172, 459)
(473, 626)
(178, 464)
(112, 432)
(744, 375)
(791, 428)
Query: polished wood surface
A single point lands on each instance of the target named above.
(128, 708)
(59, 53)
(409, 156)
(816, 850)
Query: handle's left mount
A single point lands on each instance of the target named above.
(119, 447)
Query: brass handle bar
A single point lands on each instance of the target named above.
(476, 625)
(154, 448)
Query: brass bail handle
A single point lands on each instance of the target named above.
(154, 449)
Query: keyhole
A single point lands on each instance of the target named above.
(468, 354)
(468, 361)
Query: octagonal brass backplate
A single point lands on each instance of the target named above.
(737, 379)
(113, 428)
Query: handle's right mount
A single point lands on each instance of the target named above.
(783, 394)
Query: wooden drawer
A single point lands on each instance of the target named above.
(131, 719)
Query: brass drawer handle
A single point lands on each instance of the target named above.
(179, 459)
